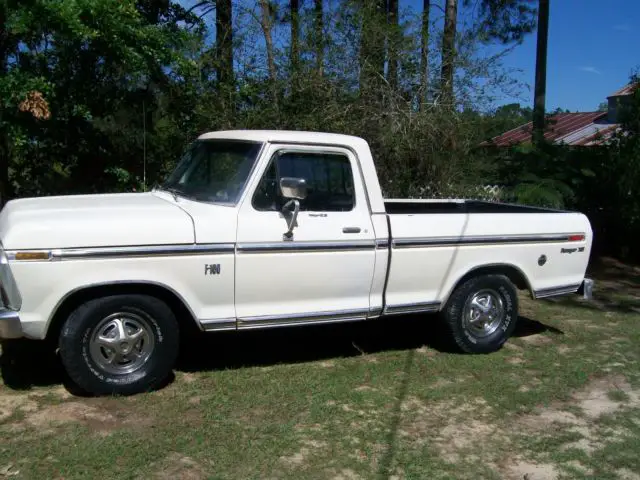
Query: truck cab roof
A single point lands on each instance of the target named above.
(286, 136)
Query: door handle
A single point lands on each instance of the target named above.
(351, 230)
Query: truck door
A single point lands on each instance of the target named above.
(323, 273)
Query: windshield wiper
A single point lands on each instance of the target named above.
(175, 192)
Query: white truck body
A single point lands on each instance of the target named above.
(229, 265)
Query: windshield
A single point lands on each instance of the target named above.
(214, 170)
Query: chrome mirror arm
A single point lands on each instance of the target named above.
(292, 217)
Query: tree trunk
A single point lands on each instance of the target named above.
(295, 35)
(541, 73)
(448, 52)
(5, 190)
(394, 44)
(318, 27)
(372, 44)
(424, 54)
(266, 22)
(224, 41)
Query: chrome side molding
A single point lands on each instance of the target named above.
(556, 291)
(427, 307)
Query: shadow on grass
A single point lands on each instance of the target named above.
(230, 350)
(25, 363)
(527, 327)
(616, 289)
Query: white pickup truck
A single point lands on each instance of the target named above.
(258, 229)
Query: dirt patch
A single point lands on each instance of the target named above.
(428, 352)
(308, 448)
(595, 399)
(626, 474)
(515, 360)
(538, 339)
(461, 437)
(182, 467)
(58, 392)
(102, 416)
(365, 388)
(460, 430)
(513, 346)
(532, 471)
(579, 467)
(346, 474)
(327, 364)
(72, 412)
(592, 401)
(452, 429)
(189, 377)
(10, 404)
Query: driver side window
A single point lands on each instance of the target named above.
(329, 180)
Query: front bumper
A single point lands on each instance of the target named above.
(10, 326)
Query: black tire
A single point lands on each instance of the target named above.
(476, 338)
(81, 354)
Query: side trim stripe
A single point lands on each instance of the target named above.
(218, 324)
(412, 308)
(161, 250)
(307, 317)
(305, 246)
(479, 240)
(556, 291)
(133, 251)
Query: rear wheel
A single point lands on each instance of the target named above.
(481, 314)
(121, 344)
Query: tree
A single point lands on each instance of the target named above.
(294, 6)
(72, 98)
(266, 23)
(448, 53)
(318, 29)
(372, 44)
(541, 73)
(224, 41)
(393, 44)
(507, 21)
(424, 53)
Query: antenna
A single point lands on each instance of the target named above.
(144, 147)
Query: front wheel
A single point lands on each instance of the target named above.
(120, 344)
(481, 314)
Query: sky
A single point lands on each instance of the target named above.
(593, 47)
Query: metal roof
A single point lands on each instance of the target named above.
(626, 90)
(568, 128)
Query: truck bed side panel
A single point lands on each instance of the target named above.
(432, 252)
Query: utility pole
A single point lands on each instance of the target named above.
(541, 73)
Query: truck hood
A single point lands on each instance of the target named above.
(77, 221)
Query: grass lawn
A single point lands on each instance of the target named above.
(385, 399)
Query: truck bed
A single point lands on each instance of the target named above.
(430, 252)
(405, 206)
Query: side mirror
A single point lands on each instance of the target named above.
(294, 189)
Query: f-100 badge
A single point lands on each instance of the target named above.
(212, 269)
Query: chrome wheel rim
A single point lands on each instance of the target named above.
(121, 343)
(484, 313)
